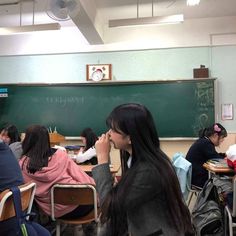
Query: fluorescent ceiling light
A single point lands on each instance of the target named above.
(9, 2)
(172, 19)
(193, 2)
(29, 28)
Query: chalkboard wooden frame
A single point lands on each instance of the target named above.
(30, 97)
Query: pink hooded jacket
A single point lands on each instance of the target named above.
(60, 169)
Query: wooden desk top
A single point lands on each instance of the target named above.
(88, 168)
(217, 170)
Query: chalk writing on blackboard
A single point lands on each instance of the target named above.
(200, 123)
(204, 94)
(64, 101)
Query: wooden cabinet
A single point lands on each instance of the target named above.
(56, 139)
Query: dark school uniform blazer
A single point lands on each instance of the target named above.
(145, 202)
(199, 153)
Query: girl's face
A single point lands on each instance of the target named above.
(120, 140)
(4, 136)
(217, 139)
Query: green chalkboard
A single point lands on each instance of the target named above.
(180, 108)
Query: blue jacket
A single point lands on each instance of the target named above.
(10, 170)
(183, 170)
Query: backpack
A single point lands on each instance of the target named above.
(25, 226)
(208, 211)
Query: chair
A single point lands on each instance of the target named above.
(193, 190)
(74, 194)
(7, 209)
(230, 213)
(183, 169)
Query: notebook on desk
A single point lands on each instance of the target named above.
(218, 163)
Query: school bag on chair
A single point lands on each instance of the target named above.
(207, 213)
(26, 227)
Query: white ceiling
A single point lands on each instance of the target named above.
(127, 8)
(117, 9)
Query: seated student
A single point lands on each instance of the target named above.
(231, 156)
(10, 136)
(231, 160)
(10, 170)
(87, 154)
(204, 149)
(147, 201)
(10, 176)
(47, 166)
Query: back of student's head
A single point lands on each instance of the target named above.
(216, 128)
(90, 137)
(136, 121)
(12, 132)
(36, 147)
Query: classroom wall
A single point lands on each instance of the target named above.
(170, 147)
(155, 64)
(174, 51)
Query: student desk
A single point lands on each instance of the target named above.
(217, 170)
(88, 168)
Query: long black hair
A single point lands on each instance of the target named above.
(215, 128)
(36, 146)
(90, 137)
(12, 132)
(137, 122)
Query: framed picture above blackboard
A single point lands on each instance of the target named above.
(98, 72)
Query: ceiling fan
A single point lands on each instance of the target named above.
(24, 28)
(61, 10)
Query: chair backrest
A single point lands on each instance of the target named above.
(183, 169)
(7, 209)
(234, 197)
(73, 194)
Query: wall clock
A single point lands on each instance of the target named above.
(98, 72)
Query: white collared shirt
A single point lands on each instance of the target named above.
(129, 162)
(87, 155)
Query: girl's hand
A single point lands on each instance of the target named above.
(103, 148)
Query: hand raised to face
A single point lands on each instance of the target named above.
(103, 148)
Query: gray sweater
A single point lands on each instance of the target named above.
(16, 148)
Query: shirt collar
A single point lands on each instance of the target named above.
(129, 162)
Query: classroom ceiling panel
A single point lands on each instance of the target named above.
(110, 9)
(206, 8)
(95, 14)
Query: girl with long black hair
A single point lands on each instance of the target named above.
(10, 135)
(147, 201)
(87, 154)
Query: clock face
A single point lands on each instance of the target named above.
(97, 75)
